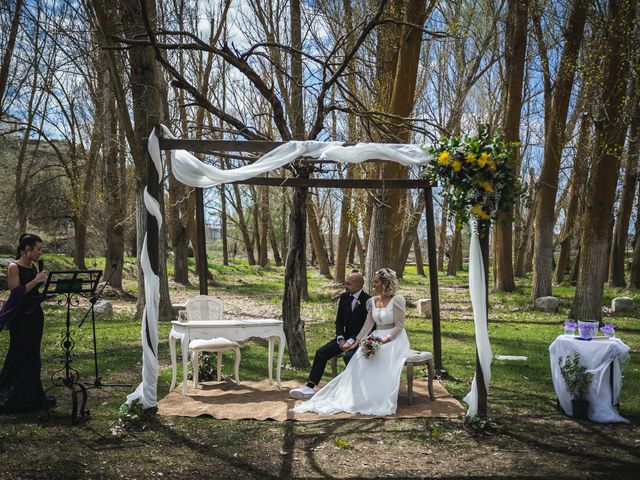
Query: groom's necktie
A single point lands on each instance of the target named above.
(351, 297)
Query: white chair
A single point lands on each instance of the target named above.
(206, 308)
(217, 345)
(203, 307)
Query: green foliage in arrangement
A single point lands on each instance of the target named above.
(575, 375)
(477, 175)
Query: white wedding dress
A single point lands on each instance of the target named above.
(369, 385)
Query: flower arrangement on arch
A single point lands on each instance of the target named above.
(477, 175)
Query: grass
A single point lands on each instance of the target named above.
(528, 429)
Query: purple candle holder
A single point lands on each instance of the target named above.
(570, 328)
(608, 330)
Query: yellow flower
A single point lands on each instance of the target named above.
(444, 158)
(471, 157)
(492, 164)
(456, 165)
(479, 212)
(483, 159)
(486, 186)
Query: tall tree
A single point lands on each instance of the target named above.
(578, 179)
(147, 110)
(556, 120)
(515, 50)
(620, 234)
(402, 67)
(609, 141)
(8, 52)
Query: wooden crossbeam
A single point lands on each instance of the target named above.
(335, 182)
(214, 146)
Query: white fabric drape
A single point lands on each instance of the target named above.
(478, 292)
(193, 172)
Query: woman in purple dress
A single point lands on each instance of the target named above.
(20, 385)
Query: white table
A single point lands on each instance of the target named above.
(236, 330)
(605, 359)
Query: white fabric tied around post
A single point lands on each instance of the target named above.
(478, 293)
(147, 390)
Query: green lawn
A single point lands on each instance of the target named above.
(521, 399)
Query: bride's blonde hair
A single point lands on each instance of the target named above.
(389, 281)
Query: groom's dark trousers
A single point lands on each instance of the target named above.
(348, 325)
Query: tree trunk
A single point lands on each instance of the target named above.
(401, 104)
(454, 252)
(79, 243)
(609, 141)
(223, 224)
(527, 232)
(343, 234)
(575, 270)
(377, 242)
(418, 253)
(114, 203)
(8, 52)
(515, 49)
(274, 246)
(263, 193)
(316, 239)
(294, 273)
(397, 58)
(578, 179)
(554, 144)
(634, 275)
(352, 249)
(147, 111)
(409, 235)
(242, 225)
(619, 242)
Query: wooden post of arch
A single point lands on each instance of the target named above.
(484, 227)
(202, 242)
(433, 279)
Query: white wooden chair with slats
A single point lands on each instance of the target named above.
(206, 308)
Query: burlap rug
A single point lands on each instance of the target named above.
(261, 401)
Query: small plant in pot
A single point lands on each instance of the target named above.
(577, 380)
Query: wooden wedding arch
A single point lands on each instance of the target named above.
(227, 148)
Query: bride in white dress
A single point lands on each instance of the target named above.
(370, 385)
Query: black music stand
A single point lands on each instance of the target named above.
(71, 284)
(97, 382)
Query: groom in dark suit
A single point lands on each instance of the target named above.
(352, 313)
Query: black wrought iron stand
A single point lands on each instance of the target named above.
(71, 285)
(97, 382)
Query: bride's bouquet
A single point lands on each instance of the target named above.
(370, 346)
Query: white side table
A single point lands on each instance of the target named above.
(605, 359)
(235, 330)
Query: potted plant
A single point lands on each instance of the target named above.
(577, 380)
